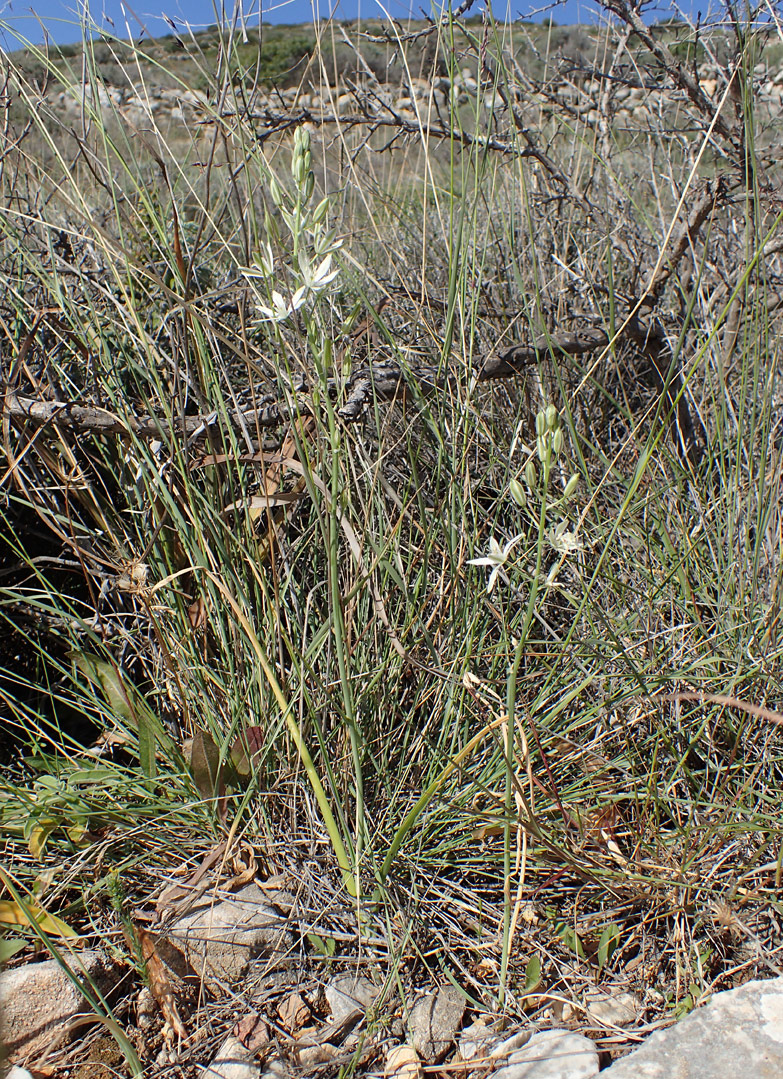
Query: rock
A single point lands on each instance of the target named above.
(18, 1073)
(402, 1063)
(312, 1056)
(434, 1021)
(346, 993)
(739, 1033)
(219, 938)
(552, 1054)
(476, 1040)
(233, 1061)
(508, 1045)
(37, 1001)
(611, 1009)
(276, 1069)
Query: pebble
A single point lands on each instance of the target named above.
(346, 993)
(611, 1009)
(433, 1023)
(552, 1054)
(232, 1062)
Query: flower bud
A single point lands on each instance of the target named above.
(531, 474)
(571, 486)
(302, 139)
(542, 445)
(518, 493)
(275, 191)
(557, 441)
(540, 423)
(552, 417)
(309, 186)
(319, 213)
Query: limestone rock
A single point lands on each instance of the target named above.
(504, 1047)
(739, 1033)
(346, 993)
(37, 1001)
(233, 1061)
(611, 1009)
(219, 937)
(552, 1054)
(476, 1040)
(434, 1021)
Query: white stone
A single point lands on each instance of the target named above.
(232, 1062)
(476, 1040)
(505, 1047)
(552, 1054)
(38, 1000)
(346, 993)
(611, 1009)
(737, 1034)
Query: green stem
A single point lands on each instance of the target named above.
(511, 705)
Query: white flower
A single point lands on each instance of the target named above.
(263, 263)
(495, 558)
(563, 541)
(322, 277)
(278, 312)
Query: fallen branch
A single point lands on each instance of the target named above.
(382, 381)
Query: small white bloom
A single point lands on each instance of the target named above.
(495, 558)
(299, 298)
(263, 263)
(322, 277)
(279, 311)
(564, 541)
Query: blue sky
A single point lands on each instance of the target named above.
(61, 17)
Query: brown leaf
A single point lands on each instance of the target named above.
(294, 1012)
(245, 747)
(180, 897)
(197, 613)
(252, 1031)
(160, 986)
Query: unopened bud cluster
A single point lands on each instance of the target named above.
(549, 446)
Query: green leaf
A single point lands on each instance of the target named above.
(570, 938)
(9, 946)
(532, 974)
(127, 704)
(107, 677)
(205, 764)
(146, 747)
(608, 944)
(325, 947)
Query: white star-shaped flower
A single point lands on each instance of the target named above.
(495, 558)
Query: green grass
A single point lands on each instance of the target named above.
(179, 659)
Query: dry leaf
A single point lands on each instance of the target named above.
(403, 1063)
(252, 1031)
(160, 986)
(294, 1012)
(197, 613)
(244, 866)
(178, 898)
(12, 914)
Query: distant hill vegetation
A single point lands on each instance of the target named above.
(287, 55)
